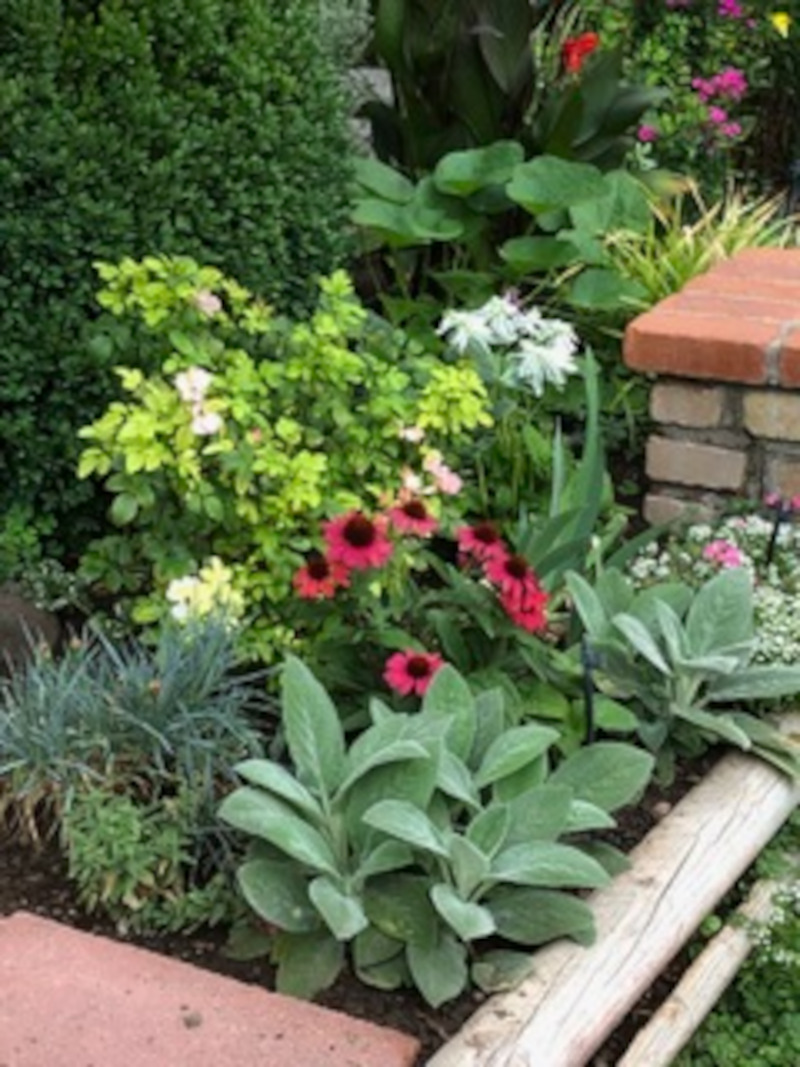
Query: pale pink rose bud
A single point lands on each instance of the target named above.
(192, 384)
(207, 302)
(447, 481)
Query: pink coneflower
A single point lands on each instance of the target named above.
(511, 574)
(527, 609)
(412, 517)
(357, 541)
(482, 541)
(320, 578)
(410, 671)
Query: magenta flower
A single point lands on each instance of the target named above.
(730, 9)
(412, 517)
(481, 541)
(357, 541)
(320, 578)
(646, 134)
(717, 115)
(411, 672)
(723, 552)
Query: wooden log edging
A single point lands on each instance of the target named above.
(575, 997)
(676, 1020)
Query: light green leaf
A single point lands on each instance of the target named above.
(587, 604)
(601, 289)
(278, 893)
(396, 752)
(342, 913)
(548, 864)
(547, 183)
(607, 773)
(386, 856)
(513, 750)
(540, 813)
(382, 180)
(450, 698)
(641, 640)
(276, 779)
(755, 683)
(307, 963)
(470, 865)
(536, 916)
(488, 829)
(439, 969)
(624, 206)
(270, 819)
(721, 613)
(454, 779)
(612, 716)
(468, 920)
(314, 733)
(463, 173)
(407, 823)
(717, 724)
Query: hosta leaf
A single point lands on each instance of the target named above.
(278, 893)
(513, 750)
(548, 864)
(276, 779)
(547, 183)
(536, 916)
(439, 969)
(314, 733)
(463, 173)
(607, 773)
(270, 819)
(343, 914)
(467, 919)
(407, 823)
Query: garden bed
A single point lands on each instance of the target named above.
(37, 882)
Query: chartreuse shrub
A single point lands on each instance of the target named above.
(254, 428)
(122, 752)
(216, 129)
(684, 660)
(429, 834)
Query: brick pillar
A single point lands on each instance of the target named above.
(725, 353)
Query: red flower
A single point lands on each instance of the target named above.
(523, 599)
(357, 541)
(481, 541)
(575, 50)
(413, 517)
(527, 610)
(411, 672)
(320, 578)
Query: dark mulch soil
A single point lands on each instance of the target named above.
(37, 882)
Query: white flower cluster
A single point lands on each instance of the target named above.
(210, 592)
(539, 351)
(192, 386)
(776, 586)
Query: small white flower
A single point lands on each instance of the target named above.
(413, 434)
(192, 384)
(537, 363)
(464, 329)
(206, 423)
(207, 302)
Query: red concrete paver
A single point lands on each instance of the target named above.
(71, 999)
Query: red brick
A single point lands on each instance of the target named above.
(699, 346)
(742, 306)
(772, 262)
(682, 462)
(768, 287)
(789, 366)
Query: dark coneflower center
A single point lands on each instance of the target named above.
(415, 509)
(318, 569)
(486, 532)
(516, 567)
(418, 667)
(359, 531)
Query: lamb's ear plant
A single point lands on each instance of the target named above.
(432, 832)
(683, 658)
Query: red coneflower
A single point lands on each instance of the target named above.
(481, 541)
(527, 610)
(413, 517)
(320, 578)
(575, 50)
(410, 671)
(357, 541)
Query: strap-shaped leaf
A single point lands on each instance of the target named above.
(313, 730)
(276, 779)
(641, 640)
(402, 820)
(587, 604)
(264, 816)
(755, 683)
(469, 864)
(449, 697)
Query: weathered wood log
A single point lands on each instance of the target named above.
(703, 983)
(575, 997)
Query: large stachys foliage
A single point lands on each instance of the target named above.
(215, 129)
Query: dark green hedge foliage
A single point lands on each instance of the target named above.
(214, 128)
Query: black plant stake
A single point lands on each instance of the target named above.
(783, 512)
(589, 662)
